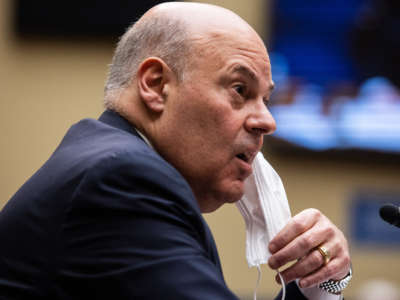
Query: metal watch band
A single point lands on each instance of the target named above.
(336, 286)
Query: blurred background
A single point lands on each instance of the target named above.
(337, 104)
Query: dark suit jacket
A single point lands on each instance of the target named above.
(107, 218)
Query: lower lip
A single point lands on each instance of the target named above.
(245, 168)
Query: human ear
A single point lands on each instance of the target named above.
(153, 76)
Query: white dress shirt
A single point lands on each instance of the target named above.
(315, 293)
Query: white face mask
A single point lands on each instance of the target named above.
(265, 210)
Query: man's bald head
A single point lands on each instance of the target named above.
(168, 31)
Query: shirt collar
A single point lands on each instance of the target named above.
(146, 140)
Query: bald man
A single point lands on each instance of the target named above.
(116, 210)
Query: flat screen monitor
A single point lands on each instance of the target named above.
(336, 66)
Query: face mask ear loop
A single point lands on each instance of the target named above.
(258, 282)
(283, 286)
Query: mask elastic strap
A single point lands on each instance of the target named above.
(283, 286)
(258, 282)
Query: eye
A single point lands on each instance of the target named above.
(240, 89)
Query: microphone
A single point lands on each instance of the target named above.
(391, 214)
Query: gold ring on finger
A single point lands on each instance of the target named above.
(326, 255)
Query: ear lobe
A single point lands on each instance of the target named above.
(153, 76)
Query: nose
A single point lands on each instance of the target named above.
(260, 121)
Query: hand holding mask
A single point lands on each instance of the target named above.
(272, 236)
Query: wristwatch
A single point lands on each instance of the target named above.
(336, 286)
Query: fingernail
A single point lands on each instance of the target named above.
(272, 263)
(272, 248)
(303, 283)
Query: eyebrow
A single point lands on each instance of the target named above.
(245, 71)
(249, 73)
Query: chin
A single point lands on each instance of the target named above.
(233, 194)
(213, 202)
(215, 197)
(236, 191)
(234, 198)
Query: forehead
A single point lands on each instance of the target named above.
(241, 52)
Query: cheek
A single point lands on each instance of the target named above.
(207, 130)
(208, 121)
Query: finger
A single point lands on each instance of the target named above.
(303, 267)
(313, 261)
(310, 263)
(343, 257)
(323, 274)
(296, 226)
(301, 246)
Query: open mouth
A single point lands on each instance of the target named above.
(243, 157)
